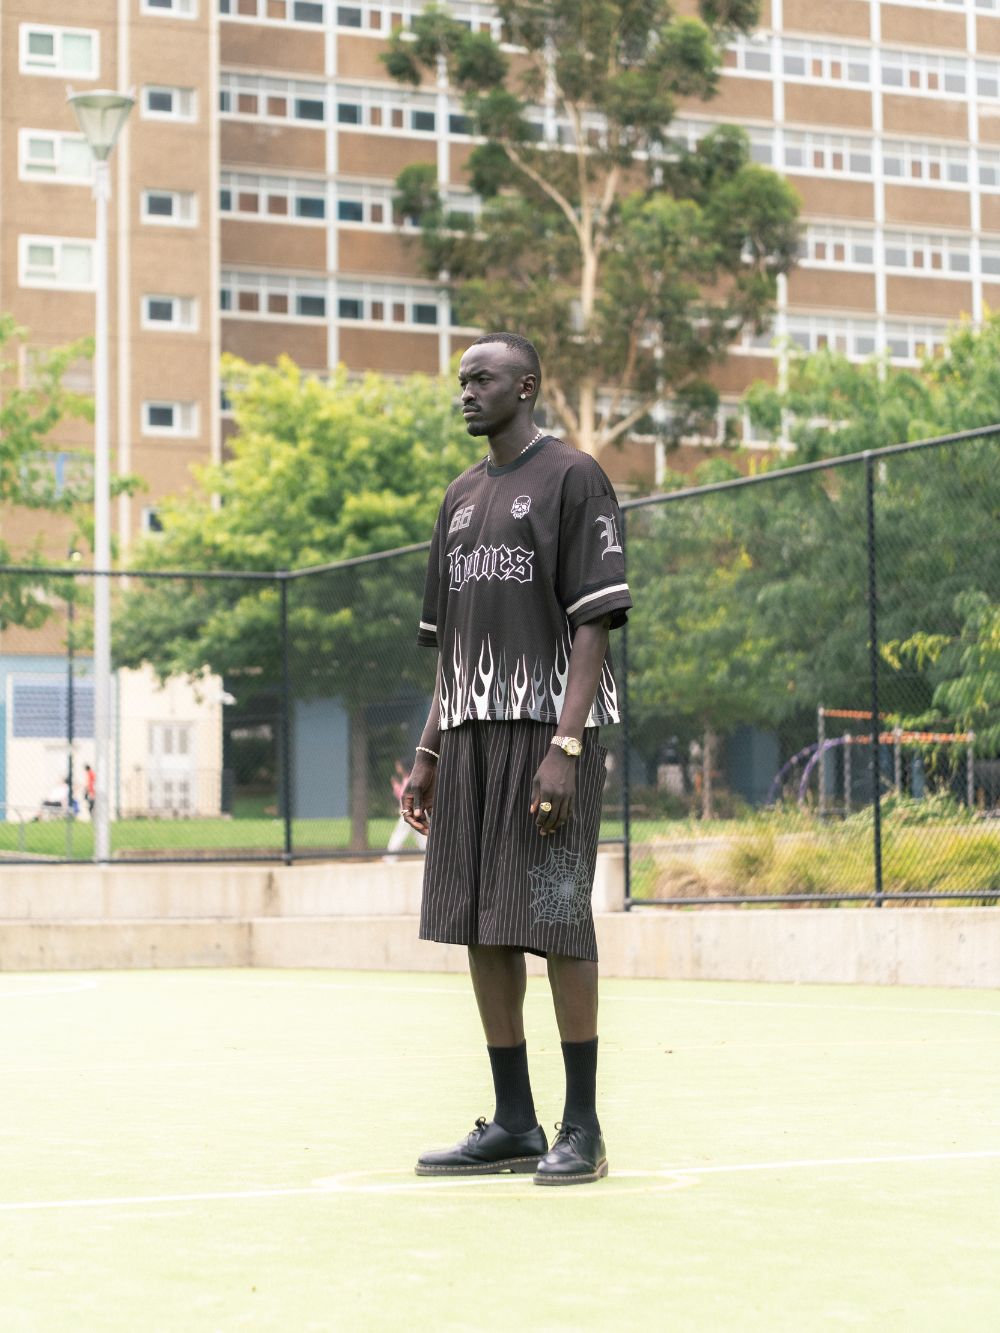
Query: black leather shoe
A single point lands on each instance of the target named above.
(488, 1151)
(577, 1157)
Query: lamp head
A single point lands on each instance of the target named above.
(101, 115)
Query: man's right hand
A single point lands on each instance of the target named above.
(418, 794)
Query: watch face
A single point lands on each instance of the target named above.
(572, 746)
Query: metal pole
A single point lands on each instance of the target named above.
(970, 772)
(820, 747)
(102, 530)
(69, 720)
(897, 760)
(286, 729)
(847, 773)
(876, 752)
(626, 767)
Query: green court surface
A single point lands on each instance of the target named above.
(213, 1150)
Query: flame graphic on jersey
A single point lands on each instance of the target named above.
(518, 687)
(494, 691)
(481, 698)
(559, 674)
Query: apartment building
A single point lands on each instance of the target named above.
(253, 188)
(164, 349)
(162, 227)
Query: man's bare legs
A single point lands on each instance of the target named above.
(499, 978)
(574, 995)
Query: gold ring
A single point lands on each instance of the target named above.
(545, 806)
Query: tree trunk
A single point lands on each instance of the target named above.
(359, 779)
(586, 436)
(707, 760)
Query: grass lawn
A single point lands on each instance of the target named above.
(210, 1150)
(57, 838)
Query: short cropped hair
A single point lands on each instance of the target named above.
(522, 348)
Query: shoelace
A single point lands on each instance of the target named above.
(564, 1132)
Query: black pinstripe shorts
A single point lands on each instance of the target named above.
(490, 877)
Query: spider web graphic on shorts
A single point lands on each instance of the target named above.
(560, 891)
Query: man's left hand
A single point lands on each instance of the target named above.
(555, 784)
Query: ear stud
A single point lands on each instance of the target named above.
(524, 395)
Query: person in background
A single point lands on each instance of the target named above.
(402, 831)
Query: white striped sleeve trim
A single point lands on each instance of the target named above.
(431, 629)
(596, 596)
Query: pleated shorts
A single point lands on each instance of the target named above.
(490, 877)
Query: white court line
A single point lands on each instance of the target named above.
(607, 998)
(344, 1183)
(72, 988)
(248, 1060)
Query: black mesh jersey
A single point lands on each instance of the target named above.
(521, 555)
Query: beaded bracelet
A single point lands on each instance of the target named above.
(422, 749)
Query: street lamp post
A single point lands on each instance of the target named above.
(101, 116)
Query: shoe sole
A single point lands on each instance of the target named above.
(513, 1165)
(577, 1179)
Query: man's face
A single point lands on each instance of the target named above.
(492, 382)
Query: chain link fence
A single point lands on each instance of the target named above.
(811, 681)
(814, 682)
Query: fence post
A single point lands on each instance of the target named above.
(821, 758)
(626, 768)
(286, 728)
(876, 754)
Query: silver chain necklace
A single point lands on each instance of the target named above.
(534, 440)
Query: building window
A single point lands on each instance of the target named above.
(150, 521)
(59, 51)
(184, 9)
(48, 155)
(78, 377)
(163, 103)
(272, 294)
(310, 307)
(170, 312)
(268, 197)
(827, 154)
(349, 307)
(348, 16)
(835, 247)
(53, 261)
(169, 418)
(170, 208)
(260, 98)
(423, 121)
(424, 313)
(307, 11)
(925, 164)
(350, 210)
(826, 62)
(922, 73)
(309, 108)
(349, 113)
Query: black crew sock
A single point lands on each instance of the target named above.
(580, 1059)
(515, 1109)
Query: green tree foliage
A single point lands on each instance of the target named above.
(753, 604)
(631, 260)
(29, 413)
(319, 472)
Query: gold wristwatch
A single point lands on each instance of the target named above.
(569, 745)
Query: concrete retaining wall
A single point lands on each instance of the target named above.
(364, 915)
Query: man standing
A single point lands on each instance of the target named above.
(525, 578)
